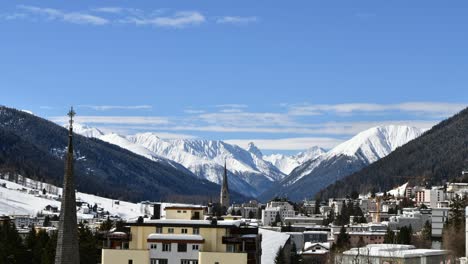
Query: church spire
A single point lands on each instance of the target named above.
(224, 195)
(67, 250)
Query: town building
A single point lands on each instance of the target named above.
(393, 253)
(282, 208)
(414, 217)
(176, 241)
(438, 218)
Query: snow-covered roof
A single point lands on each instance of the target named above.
(271, 242)
(395, 251)
(175, 237)
(193, 222)
(308, 245)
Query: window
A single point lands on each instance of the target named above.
(195, 247)
(185, 212)
(166, 247)
(159, 230)
(196, 231)
(130, 261)
(188, 261)
(153, 246)
(181, 247)
(170, 230)
(184, 231)
(230, 248)
(158, 261)
(178, 211)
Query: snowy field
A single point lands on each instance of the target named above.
(16, 202)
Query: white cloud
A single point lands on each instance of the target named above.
(299, 143)
(328, 128)
(124, 120)
(109, 9)
(70, 17)
(177, 20)
(231, 106)
(238, 20)
(13, 16)
(194, 111)
(434, 109)
(116, 107)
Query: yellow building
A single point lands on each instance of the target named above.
(179, 239)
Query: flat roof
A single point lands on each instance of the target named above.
(183, 222)
(394, 250)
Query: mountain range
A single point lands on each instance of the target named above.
(265, 176)
(248, 173)
(34, 147)
(157, 168)
(348, 157)
(438, 156)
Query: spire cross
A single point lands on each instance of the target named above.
(71, 114)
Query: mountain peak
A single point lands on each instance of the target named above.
(85, 130)
(254, 150)
(376, 142)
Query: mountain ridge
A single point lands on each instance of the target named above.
(350, 156)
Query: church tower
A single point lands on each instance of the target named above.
(224, 195)
(67, 250)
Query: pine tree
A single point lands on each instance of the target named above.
(277, 219)
(389, 237)
(342, 241)
(426, 231)
(88, 245)
(295, 258)
(280, 258)
(251, 215)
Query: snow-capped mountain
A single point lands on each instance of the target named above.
(248, 173)
(346, 158)
(286, 163)
(86, 131)
(205, 158)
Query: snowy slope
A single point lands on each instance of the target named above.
(286, 163)
(367, 146)
(350, 156)
(376, 143)
(248, 173)
(206, 158)
(13, 201)
(86, 131)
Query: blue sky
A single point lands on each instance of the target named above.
(286, 74)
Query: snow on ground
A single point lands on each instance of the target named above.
(271, 242)
(13, 201)
(16, 202)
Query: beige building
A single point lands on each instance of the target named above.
(183, 239)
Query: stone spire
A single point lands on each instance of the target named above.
(224, 195)
(67, 239)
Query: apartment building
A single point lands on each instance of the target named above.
(182, 239)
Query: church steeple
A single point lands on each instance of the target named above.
(67, 250)
(224, 195)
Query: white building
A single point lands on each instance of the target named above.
(439, 217)
(392, 253)
(410, 217)
(273, 208)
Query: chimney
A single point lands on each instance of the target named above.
(156, 211)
